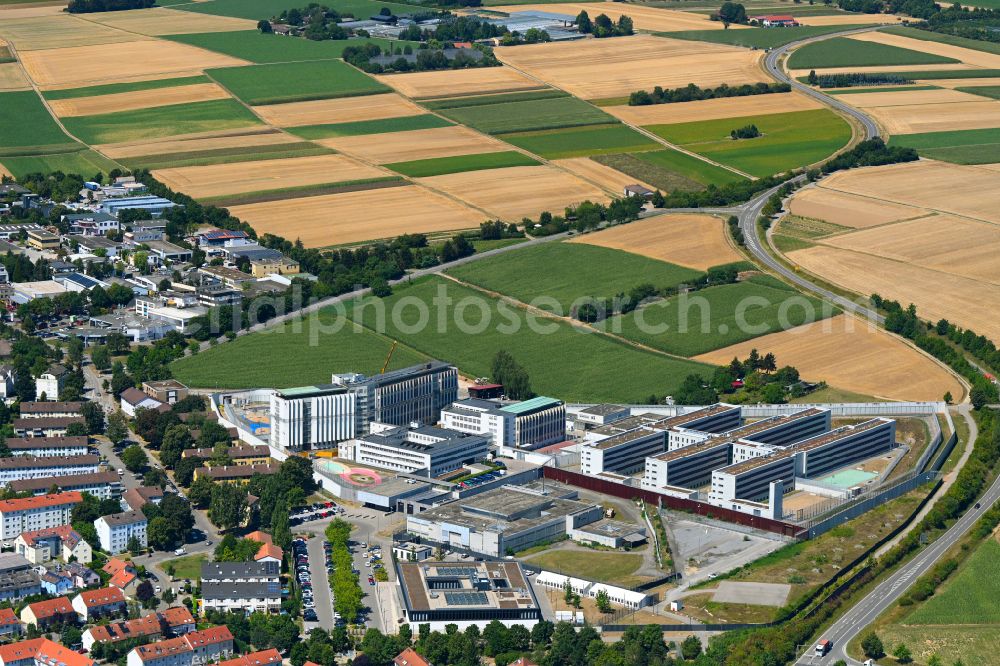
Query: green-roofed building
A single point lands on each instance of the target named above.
(530, 424)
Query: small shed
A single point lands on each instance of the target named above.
(636, 190)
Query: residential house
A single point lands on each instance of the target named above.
(82, 576)
(36, 513)
(102, 485)
(237, 474)
(172, 622)
(104, 602)
(41, 652)
(136, 498)
(50, 383)
(51, 469)
(409, 657)
(48, 447)
(49, 613)
(123, 574)
(167, 391)
(193, 649)
(10, 624)
(46, 426)
(50, 408)
(62, 542)
(222, 238)
(116, 531)
(55, 583)
(132, 400)
(241, 586)
(240, 455)
(269, 657)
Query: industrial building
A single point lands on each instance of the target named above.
(422, 449)
(530, 424)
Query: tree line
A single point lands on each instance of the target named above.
(851, 80)
(692, 92)
(603, 26)
(89, 6)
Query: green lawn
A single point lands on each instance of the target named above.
(845, 52)
(993, 92)
(788, 141)
(256, 47)
(969, 596)
(717, 317)
(528, 115)
(485, 100)
(602, 566)
(262, 9)
(25, 123)
(161, 121)
(187, 567)
(565, 272)
(296, 82)
(761, 38)
(690, 167)
(467, 328)
(83, 162)
(441, 165)
(227, 155)
(309, 355)
(361, 127)
(964, 42)
(980, 146)
(582, 141)
(112, 88)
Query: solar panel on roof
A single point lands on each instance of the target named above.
(465, 598)
(456, 571)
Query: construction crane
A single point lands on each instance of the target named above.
(389, 357)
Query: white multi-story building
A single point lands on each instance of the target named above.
(18, 468)
(36, 513)
(49, 384)
(48, 447)
(115, 531)
(423, 449)
(312, 417)
(529, 424)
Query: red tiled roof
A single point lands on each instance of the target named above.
(177, 616)
(63, 532)
(120, 631)
(42, 649)
(269, 550)
(51, 608)
(116, 564)
(209, 636)
(775, 17)
(102, 597)
(262, 658)
(159, 649)
(409, 657)
(259, 537)
(71, 497)
(7, 617)
(122, 579)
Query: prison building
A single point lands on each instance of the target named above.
(751, 479)
(623, 453)
(845, 446)
(695, 426)
(689, 466)
(785, 430)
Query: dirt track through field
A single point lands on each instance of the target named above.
(416, 144)
(601, 68)
(876, 364)
(342, 110)
(711, 109)
(517, 192)
(350, 217)
(454, 83)
(605, 176)
(140, 99)
(849, 210)
(696, 241)
(216, 180)
(652, 19)
(238, 138)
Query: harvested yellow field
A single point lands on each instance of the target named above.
(61, 31)
(945, 243)
(114, 63)
(960, 83)
(965, 301)
(31, 10)
(886, 68)
(849, 210)
(12, 78)
(5, 172)
(920, 118)
(517, 192)
(643, 18)
(237, 138)
(952, 188)
(216, 180)
(907, 98)
(608, 178)
(968, 56)
(696, 241)
(342, 110)
(352, 217)
(139, 99)
(162, 21)
(456, 83)
(711, 109)
(848, 19)
(601, 68)
(416, 144)
(878, 364)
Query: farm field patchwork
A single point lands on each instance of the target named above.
(848, 19)
(131, 101)
(788, 140)
(494, 98)
(416, 145)
(157, 21)
(878, 365)
(361, 216)
(602, 68)
(161, 121)
(849, 52)
(923, 98)
(582, 141)
(605, 176)
(797, 233)
(206, 182)
(557, 274)
(921, 119)
(966, 82)
(249, 44)
(227, 140)
(262, 9)
(518, 192)
(993, 92)
(535, 114)
(12, 78)
(652, 19)
(761, 38)
(849, 210)
(711, 109)
(83, 66)
(671, 169)
(695, 241)
(958, 146)
(338, 110)
(78, 161)
(116, 88)
(550, 350)
(57, 32)
(246, 153)
(295, 82)
(904, 38)
(25, 124)
(366, 127)
(437, 166)
(475, 81)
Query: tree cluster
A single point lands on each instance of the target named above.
(586, 216)
(507, 371)
(853, 80)
(603, 26)
(731, 12)
(89, 6)
(427, 59)
(746, 132)
(259, 631)
(692, 92)
(347, 594)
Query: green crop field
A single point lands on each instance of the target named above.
(112, 88)
(296, 82)
(788, 141)
(689, 167)
(960, 146)
(582, 141)
(993, 92)
(256, 47)
(845, 52)
(86, 163)
(262, 9)
(969, 596)
(438, 166)
(484, 100)
(25, 123)
(761, 38)
(659, 177)
(227, 155)
(161, 121)
(530, 115)
(716, 317)
(361, 127)
(931, 74)
(964, 42)
(309, 355)
(561, 273)
(470, 328)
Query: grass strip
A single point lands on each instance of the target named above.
(362, 127)
(227, 155)
(263, 196)
(484, 100)
(113, 88)
(439, 166)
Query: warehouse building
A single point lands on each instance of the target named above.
(423, 449)
(530, 424)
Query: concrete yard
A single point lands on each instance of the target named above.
(760, 594)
